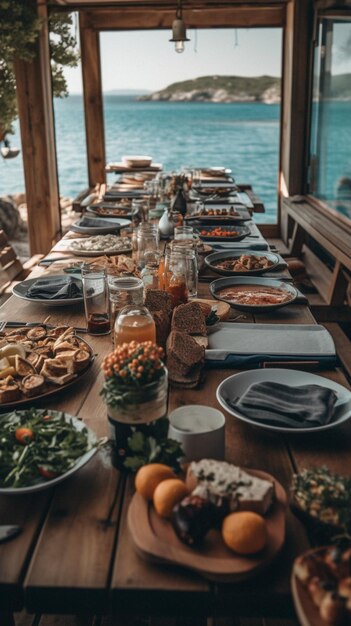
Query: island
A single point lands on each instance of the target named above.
(223, 89)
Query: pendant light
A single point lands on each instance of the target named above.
(179, 30)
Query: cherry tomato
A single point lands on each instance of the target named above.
(24, 436)
(46, 473)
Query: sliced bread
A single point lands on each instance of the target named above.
(189, 318)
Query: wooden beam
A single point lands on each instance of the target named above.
(297, 63)
(93, 101)
(199, 4)
(131, 17)
(35, 107)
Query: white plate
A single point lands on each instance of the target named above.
(46, 484)
(20, 290)
(107, 252)
(237, 385)
(116, 223)
(136, 160)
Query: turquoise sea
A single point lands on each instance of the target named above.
(243, 137)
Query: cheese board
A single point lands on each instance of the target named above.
(156, 541)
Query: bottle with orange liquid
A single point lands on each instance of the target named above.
(134, 324)
(175, 276)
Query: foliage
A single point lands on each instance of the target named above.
(19, 29)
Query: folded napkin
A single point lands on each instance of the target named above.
(90, 222)
(55, 288)
(281, 405)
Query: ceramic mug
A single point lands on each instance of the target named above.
(200, 430)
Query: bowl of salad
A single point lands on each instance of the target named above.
(40, 448)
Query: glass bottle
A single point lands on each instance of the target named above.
(175, 280)
(150, 273)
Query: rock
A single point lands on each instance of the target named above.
(9, 216)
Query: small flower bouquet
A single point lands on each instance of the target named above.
(135, 391)
(134, 376)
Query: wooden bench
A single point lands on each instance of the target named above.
(11, 268)
(311, 224)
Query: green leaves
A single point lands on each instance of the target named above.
(151, 445)
(19, 29)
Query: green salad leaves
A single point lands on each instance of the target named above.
(37, 445)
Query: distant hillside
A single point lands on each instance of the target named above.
(238, 89)
(341, 86)
(221, 89)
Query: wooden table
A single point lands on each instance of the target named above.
(75, 554)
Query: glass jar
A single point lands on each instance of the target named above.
(123, 291)
(134, 323)
(175, 276)
(181, 272)
(150, 273)
(183, 232)
(147, 241)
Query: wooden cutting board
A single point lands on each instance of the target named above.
(223, 308)
(156, 541)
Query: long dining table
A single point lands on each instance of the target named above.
(75, 553)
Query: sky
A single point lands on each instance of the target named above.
(147, 61)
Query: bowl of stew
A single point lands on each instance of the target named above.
(253, 294)
(222, 233)
(243, 262)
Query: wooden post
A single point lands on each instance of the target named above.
(296, 71)
(93, 103)
(35, 107)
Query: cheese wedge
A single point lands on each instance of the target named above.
(243, 491)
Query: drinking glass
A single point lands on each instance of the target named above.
(183, 232)
(96, 302)
(147, 241)
(134, 323)
(123, 291)
(139, 211)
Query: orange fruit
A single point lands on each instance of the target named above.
(168, 494)
(149, 476)
(244, 532)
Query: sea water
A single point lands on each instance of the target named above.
(241, 136)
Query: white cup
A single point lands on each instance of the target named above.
(200, 430)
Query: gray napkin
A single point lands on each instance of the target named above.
(90, 222)
(282, 405)
(55, 288)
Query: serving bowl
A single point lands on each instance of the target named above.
(136, 160)
(217, 285)
(240, 233)
(216, 257)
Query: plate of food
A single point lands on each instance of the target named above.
(38, 361)
(224, 522)
(40, 448)
(111, 209)
(222, 233)
(98, 225)
(257, 295)
(322, 500)
(55, 290)
(98, 245)
(243, 262)
(320, 584)
(220, 215)
(285, 401)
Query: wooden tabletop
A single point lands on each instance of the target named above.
(75, 554)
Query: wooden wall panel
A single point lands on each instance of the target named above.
(93, 101)
(35, 106)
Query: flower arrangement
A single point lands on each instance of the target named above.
(135, 391)
(133, 364)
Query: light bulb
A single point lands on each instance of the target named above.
(179, 46)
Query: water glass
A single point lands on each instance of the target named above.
(124, 291)
(139, 211)
(147, 241)
(183, 232)
(96, 301)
